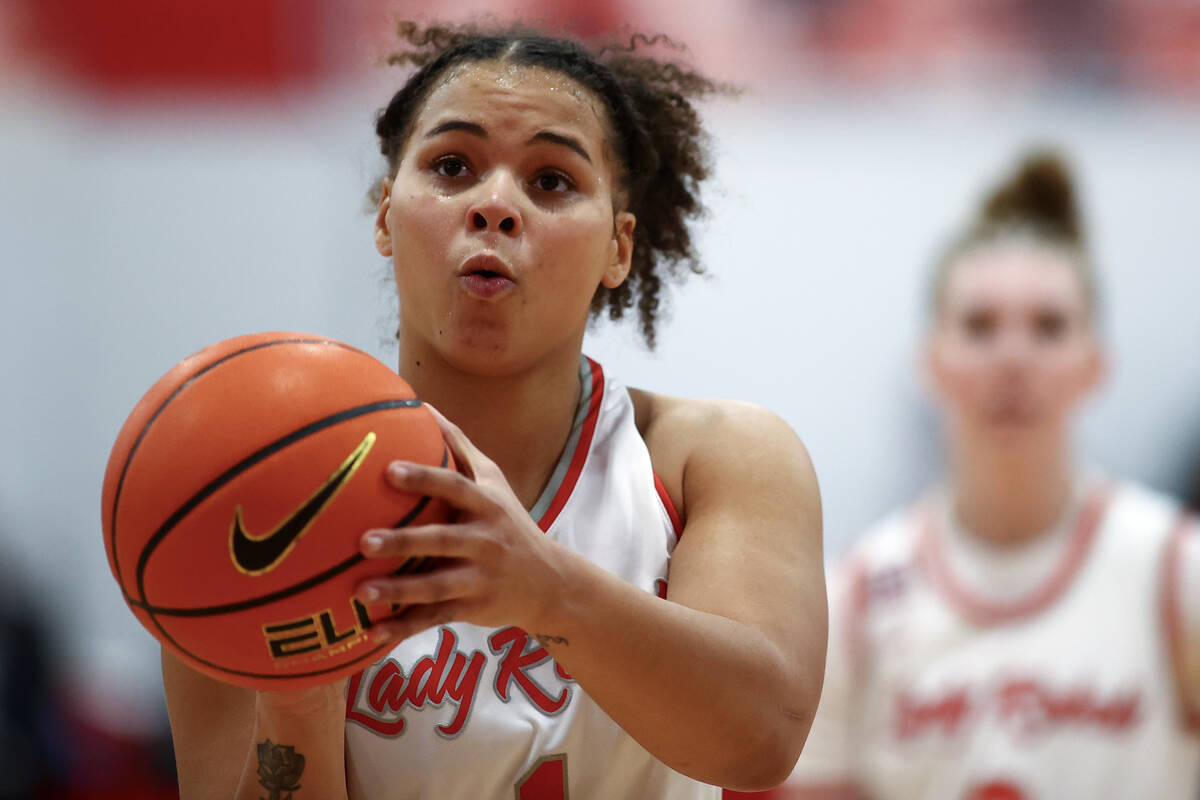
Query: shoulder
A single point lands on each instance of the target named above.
(662, 417)
(1142, 503)
(692, 438)
(889, 542)
(1141, 517)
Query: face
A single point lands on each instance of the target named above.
(500, 220)
(1013, 351)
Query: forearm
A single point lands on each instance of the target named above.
(298, 746)
(712, 698)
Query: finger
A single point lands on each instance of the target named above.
(469, 457)
(415, 619)
(445, 583)
(455, 488)
(453, 541)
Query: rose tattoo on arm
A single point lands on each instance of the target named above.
(279, 768)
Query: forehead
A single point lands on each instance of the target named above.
(503, 96)
(1018, 275)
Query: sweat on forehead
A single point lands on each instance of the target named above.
(536, 83)
(505, 71)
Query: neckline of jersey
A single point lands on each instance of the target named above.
(933, 560)
(574, 454)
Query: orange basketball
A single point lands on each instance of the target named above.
(236, 494)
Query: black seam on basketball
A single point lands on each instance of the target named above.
(275, 676)
(409, 565)
(146, 428)
(253, 602)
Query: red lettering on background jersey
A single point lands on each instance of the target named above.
(1027, 704)
(914, 716)
(1036, 707)
(448, 674)
(518, 653)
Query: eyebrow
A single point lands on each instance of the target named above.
(478, 130)
(558, 138)
(458, 125)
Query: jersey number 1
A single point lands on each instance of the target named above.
(545, 780)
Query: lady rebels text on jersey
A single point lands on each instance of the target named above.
(1070, 689)
(465, 711)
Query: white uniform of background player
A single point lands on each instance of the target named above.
(461, 711)
(1052, 650)
(1052, 671)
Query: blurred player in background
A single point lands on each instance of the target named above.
(529, 184)
(1030, 628)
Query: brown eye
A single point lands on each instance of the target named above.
(979, 324)
(551, 181)
(450, 167)
(1050, 325)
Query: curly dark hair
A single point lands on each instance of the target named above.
(658, 139)
(1036, 203)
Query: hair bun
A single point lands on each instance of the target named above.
(1040, 193)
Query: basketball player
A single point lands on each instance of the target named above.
(1029, 629)
(608, 617)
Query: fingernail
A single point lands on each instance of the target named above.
(380, 635)
(398, 471)
(368, 593)
(373, 542)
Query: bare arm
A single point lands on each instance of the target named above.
(238, 743)
(721, 683)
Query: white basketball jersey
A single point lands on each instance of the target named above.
(1063, 692)
(462, 711)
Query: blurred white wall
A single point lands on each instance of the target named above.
(132, 236)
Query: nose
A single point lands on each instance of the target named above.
(496, 207)
(1014, 350)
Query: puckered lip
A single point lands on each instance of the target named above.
(485, 263)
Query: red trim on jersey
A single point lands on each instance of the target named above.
(581, 450)
(669, 506)
(931, 556)
(1172, 616)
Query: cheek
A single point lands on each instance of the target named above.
(420, 225)
(575, 255)
(965, 367)
(959, 376)
(1067, 372)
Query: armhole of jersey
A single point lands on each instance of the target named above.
(669, 507)
(1171, 613)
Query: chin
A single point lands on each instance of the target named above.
(1014, 434)
(487, 353)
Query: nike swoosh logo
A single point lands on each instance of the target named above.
(257, 554)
